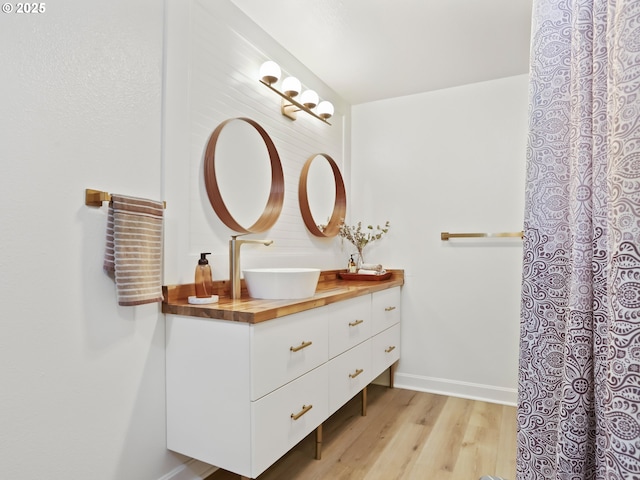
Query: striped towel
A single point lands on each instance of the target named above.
(134, 249)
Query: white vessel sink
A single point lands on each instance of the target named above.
(281, 283)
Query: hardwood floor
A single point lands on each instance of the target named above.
(405, 435)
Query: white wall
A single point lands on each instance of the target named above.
(82, 107)
(82, 380)
(214, 54)
(451, 160)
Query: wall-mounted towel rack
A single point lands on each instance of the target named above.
(447, 235)
(94, 198)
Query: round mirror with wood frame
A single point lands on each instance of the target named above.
(275, 200)
(332, 228)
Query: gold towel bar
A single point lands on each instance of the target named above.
(94, 198)
(447, 235)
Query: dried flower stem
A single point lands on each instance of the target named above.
(360, 238)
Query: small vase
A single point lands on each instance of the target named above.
(360, 260)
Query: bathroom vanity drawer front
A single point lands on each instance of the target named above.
(385, 309)
(386, 348)
(287, 347)
(349, 324)
(284, 417)
(349, 373)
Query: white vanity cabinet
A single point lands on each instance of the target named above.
(349, 324)
(385, 311)
(240, 395)
(233, 388)
(349, 373)
(285, 348)
(349, 349)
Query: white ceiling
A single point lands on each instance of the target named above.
(369, 50)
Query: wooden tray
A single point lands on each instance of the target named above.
(364, 277)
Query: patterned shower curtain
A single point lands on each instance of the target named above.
(579, 376)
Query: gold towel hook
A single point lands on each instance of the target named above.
(94, 198)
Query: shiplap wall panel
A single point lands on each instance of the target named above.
(225, 50)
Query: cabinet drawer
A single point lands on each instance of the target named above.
(385, 348)
(285, 348)
(385, 309)
(274, 428)
(349, 324)
(348, 374)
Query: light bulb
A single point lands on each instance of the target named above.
(270, 72)
(309, 98)
(325, 109)
(291, 86)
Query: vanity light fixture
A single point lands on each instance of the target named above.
(309, 99)
(270, 73)
(291, 87)
(325, 109)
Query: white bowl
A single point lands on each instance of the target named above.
(281, 283)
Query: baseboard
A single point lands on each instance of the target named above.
(441, 386)
(190, 470)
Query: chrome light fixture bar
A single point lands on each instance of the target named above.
(270, 74)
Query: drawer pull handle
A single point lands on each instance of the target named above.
(300, 347)
(305, 409)
(356, 323)
(388, 309)
(356, 373)
(390, 349)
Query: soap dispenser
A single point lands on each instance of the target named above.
(203, 282)
(352, 265)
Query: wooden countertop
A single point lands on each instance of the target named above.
(330, 289)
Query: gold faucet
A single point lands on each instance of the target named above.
(234, 262)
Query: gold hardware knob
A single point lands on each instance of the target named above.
(388, 309)
(390, 349)
(305, 409)
(356, 373)
(357, 322)
(300, 347)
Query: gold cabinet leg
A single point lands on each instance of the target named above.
(364, 402)
(392, 372)
(319, 442)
